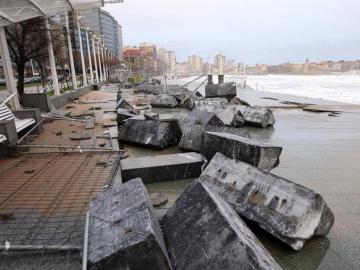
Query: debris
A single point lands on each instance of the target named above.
(29, 171)
(122, 115)
(148, 88)
(150, 133)
(158, 199)
(163, 167)
(231, 116)
(258, 154)
(89, 122)
(151, 116)
(164, 101)
(209, 102)
(220, 90)
(80, 136)
(70, 107)
(257, 116)
(6, 216)
(95, 108)
(203, 232)
(102, 144)
(82, 114)
(59, 133)
(290, 212)
(200, 117)
(123, 104)
(124, 232)
(192, 138)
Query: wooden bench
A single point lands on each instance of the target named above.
(20, 124)
(2, 138)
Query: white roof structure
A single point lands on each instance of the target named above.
(13, 11)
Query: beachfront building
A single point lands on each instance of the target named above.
(195, 63)
(220, 63)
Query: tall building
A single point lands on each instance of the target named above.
(166, 60)
(102, 23)
(220, 62)
(195, 63)
(149, 57)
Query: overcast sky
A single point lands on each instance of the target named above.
(254, 31)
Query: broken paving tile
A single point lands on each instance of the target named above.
(158, 199)
(257, 116)
(253, 152)
(290, 212)
(124, 232)
(89, 122)
(227, 90)
(163, 167)
(164, 101)
(203, 232)
(80, 136)
(150, 133)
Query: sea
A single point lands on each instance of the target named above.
(341, 88)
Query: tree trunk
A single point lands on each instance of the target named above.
(20, 83)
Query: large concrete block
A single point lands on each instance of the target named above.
(257, 116)
(124, 104)
(123, 115)
(164, 101)
(200, 117)
(192, 138)
(220, 90)
(124, 232)
(290, 212)
(203, 232)
(150, 133)
(201, 103)
(253, 152)
(231, 116)
(163, 167)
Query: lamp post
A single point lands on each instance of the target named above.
(52, 59)
(103, 59)
(89, 56)
(71, 57)
(81, 51)
(94, 55)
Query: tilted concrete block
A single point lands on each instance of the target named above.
(220, 90)
(124, 232)
(202, 231)
(200, 117)
(123, 104)
(192, 138)
(290, 212)
(201, 103)
(122, 115)
(253, 152)
(163, 167)
(231, 116)
(150, 133)
(257, 116)
(164, 101)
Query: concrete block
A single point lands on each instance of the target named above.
(123, 115)
(290, 212)
(203, 232)
(164, 101)
(200, 117)
(37, 100)
(8, 129)
(257, 116)
(192, 138)
(163, 167)
(123, 104)
(231, 116)
(253, 152)
(220, 90)
(200, 103)
(124, 232)
(150, 133)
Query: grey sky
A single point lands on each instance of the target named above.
(257, 31)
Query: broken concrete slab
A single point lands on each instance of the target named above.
(123, 115)
(148, 88)
(158, 134)
(220, 90)
(257, 116)
(201, 103)
(253, 152)
(290, 212)
(163, 167)
(164, 101)
(124, 104)
(80, 136)
(203, 232)
(192, 138)
(200, 117)
(124, 232)
(89, 122)
(158, 199)
(231, 116)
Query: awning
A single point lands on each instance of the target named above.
(13, 11)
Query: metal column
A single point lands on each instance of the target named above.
(71, 57)
(94, 55)
(89, 55)
(103, 59)
(52, 60)
(8, 71)
(100, 70)
(81, 51)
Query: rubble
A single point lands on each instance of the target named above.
(200, 117)
(203, 232)
(220, 90)
(164, 101)
(158, 134)
(192, 138)
(123, 104)
(253, 152)
(158, 199)
(163, 167)
(201, 103)
(148, 88)
(290, 212)
(124, 232)
(257, 116)
(80, 136)
(231, 116)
